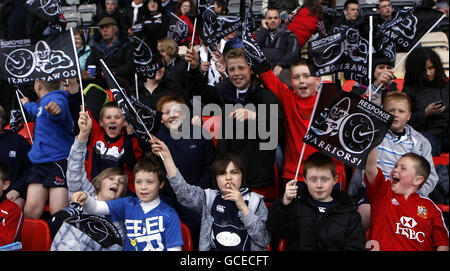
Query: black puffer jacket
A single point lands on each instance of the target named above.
(280, 47)
(339, 228)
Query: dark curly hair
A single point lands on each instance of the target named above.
(415, 68)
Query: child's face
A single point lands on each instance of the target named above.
(232, 175)
(401, 112)
(111, 187)
(303, 83)
(147, 185)
(172, 115)
(403, 177)
(379, 69)
(112, 122)
(239, 73)
(320, 183)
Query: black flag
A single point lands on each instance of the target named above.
(16, 121)
(404, 30)
(146, 62)
(345, 49)
(253, 52)
(48, 10)
(140, 117)
(347, 128)
(52, 58)
(216, 27)
(178, 29)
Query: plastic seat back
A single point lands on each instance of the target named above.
(36, 235)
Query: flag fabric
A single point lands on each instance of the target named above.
(49, 59)
(347, 128)
(16, 121)
(178, 29)
(404, 30)
(345, 49)
(253, 52)
(74, 230)
(216, 27)
(48, 10)
(140, 117)
(146, 62)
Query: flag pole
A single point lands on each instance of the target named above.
(370, 55)
(192, 41)
(78, 67)
(129, 103)
(415, 45)
(309, 126)
(23, 115)
(136, 82)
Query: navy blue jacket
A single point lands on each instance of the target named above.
(13, 153)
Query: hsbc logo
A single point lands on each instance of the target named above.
(408, 222)
(405, 228)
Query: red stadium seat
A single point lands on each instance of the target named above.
(348, 85)
(35, 235)
(443, 207)
(282, 244)
(400, 82)
(442, 159)
(187, 238)
(24, 132)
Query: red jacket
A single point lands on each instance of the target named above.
(11, 220)
(104, 152)
(303, 25)
(188, 40)
(297, 114)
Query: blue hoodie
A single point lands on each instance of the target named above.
(53, 135)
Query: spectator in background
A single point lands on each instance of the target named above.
(116, 53)
(175, 68)
(131, 15)
(220, 7)
(83, 50)
(280, 46)
(112, 10)
(186, 11)
(154, 23)
(427, 86)
(285, 7)
(351, 10)
(384, 9)
(305, 22)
